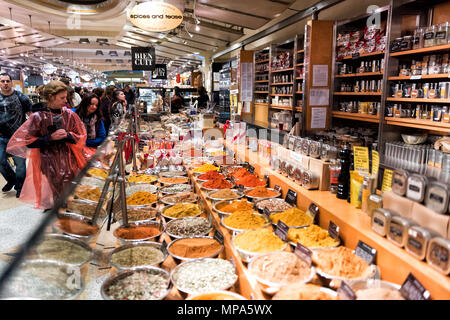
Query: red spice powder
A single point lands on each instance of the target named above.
(242, 172)
(137, 232)
(78, 227)
(251, 181)
(213, 174)
(217, 183)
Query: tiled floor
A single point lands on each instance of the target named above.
(8, 199)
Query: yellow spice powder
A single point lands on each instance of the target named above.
(260, 240)
(205, 168)
(292, 217)
(312, 237)
(141, 198)
(244, 220)
(236, 205)
(181, 210)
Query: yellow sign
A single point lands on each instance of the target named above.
(361, 159)
(156, 16)
(387, 180)
(375, 162)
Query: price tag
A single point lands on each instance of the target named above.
(333, 230)
(361, 159)
(266, 178)
(375, 162)
(415, 77)
(267, 212)
(251, 169)
(218, 236)
(277, 188)
(303, 253)
(356, 55)
(412, 289)
(345, 292)
(387, 180)
(233, 179)
(281, 230)
(241, 188)
(291, 197)
(366, 252)
(164, 247)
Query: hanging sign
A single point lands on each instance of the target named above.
(143, 58)
(160, 72)
(156, 16)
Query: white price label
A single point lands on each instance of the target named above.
(415, 77)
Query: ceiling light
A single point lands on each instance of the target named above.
(113, 53)
(99, 53)
(185, 42)
(127, 53)
(197, 28)
(154, 40)
(84, 41)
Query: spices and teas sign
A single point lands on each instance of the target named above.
(156, 16)
(143, 58)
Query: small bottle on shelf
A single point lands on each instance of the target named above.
(356, 87)
(418, 38)
(433, 93)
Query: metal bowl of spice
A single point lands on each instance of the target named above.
(141, 198)
(139, 231)
(137, 213)
(204, 275)
(45, 280)
(273, 205)
(260, 193)
(181, 210)
(131, 189)
(177, 173)
(192, 248)
(224, 194)
(139, 254)
(176, 188)
(216, 184)
(76, 226)
(139, 283)
(168, 181)
(213, 174)
(227, 207)
(63, 248)
(278, 269)
(185, 197)
(139, 179)
(244, 220)
(188, 227)
(294, 218)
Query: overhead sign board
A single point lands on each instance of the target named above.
(156, 16)
(143, 58)
(160, 72)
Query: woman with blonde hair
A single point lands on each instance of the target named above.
(52, 139)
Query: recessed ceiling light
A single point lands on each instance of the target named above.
(154, 40)
(84, 41)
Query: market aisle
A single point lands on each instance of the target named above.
(8, 199)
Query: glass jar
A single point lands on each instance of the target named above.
(441, 34)
(407, 43)
(418, 38)
(429, 37)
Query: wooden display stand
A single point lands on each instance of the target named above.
(394, 263)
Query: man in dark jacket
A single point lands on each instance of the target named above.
(13, 109)
(129, 95)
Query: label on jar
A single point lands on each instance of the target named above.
(345, 292)
(412, 289)
(281, 230)
(437, 198)
(441, 35)
(333, 230)
(291, 197)
(395, 230)
(439, 255)
(303, 253)
(366, 252)
(414, 188)
(428, 36)
(414, 243)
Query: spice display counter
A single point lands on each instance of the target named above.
(395, 263)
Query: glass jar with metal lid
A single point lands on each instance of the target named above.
(407, 43)
(298, 145)
(400, 181)
(416, 186)
(310, 180)
(314, 149)
(398, 230)
(417, 241)
(438, 254)
(298, 174)
(306, 143)
(380, 221)
(437, 197)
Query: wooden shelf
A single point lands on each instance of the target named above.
(394, 263)
(364, 55)
(262, 61)
(425, 76)
(274, 106)
(300, 51)
(299, 64)
(356, 116)
(444, 47)
(357, 93)
(261, 103)
(299, 109)
(261, 81)
(261, 92)
(364, 74)
(283, 70)
(262, 71)
(419, 124)
(299, 92)
(300, 78)
(282, 83)
(419, 100)
(281, 95)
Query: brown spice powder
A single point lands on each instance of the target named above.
(137, 232)
(195, 247)
(77, 227)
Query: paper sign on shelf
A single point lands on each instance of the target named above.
(319, 97)
(361, 159)
(375, 162)
(318, 118)
(320, 75)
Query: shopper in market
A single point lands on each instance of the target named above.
(118, 107)
(14, 107)
(202, 97)
(98, 91)
(53, 140)
(129, 95)
(105, 105)
(177, 101)
(91, 115)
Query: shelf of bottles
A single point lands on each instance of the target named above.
(261, 90)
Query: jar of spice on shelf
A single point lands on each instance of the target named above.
(418, 38)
